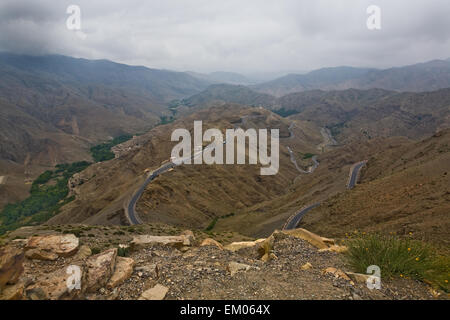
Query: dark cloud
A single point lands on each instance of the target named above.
(234, 35)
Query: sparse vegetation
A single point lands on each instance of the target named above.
(102, 152)
(285, 113)
(166, 119)
(45, 199)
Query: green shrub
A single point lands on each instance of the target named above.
(102, 152)
(95, 250)
(398, 257)
(123, 252)
(212, 224)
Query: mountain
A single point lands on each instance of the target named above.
(53, 101)
(223, 77)
(226, 93)
(99, 203)
(404, 189)
(365, 114)
(326, 79)
(428, 76)
(349, 114)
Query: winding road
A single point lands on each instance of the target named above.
(130, 208)
(295, 219)
(293, 222)
(354, 174)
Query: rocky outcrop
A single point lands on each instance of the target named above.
(142, 241)
(58, 285)
(99, 269)
(158, 292)
(11, 265)
(123, 270)
(236, 246)
(314, 239)
(211, 242)
(52, 246)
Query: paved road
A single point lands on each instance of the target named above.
(131, 207)
(133, 217)
(294, 161)
(295, 220)
(293, 223)
(354, 174)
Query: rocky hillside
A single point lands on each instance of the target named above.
(404, 189)
(54, 107)
(293, 265)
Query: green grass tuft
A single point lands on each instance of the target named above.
(398, 257)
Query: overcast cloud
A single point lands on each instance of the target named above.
(245, 36)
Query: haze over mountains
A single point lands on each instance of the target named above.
(427, 76)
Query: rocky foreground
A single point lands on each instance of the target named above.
(287, 265)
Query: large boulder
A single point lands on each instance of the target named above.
(99, 269)
(51, 246)
(158, 292)
(314, 239)
(37, 254)
(13, 292)
(57, 285)
(142, 241)
(11, 265)
(124, 269)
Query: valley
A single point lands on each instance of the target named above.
(91, 149)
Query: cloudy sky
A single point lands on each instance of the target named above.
(247, 36)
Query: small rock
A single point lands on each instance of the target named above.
(306, 266)
(11, 265)
(234, 267)
(151, 270)
(123, 270)
(158, 292)
(99, 269)
(236, 246)
(211, 242)
(338, 274)
(358, 277)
